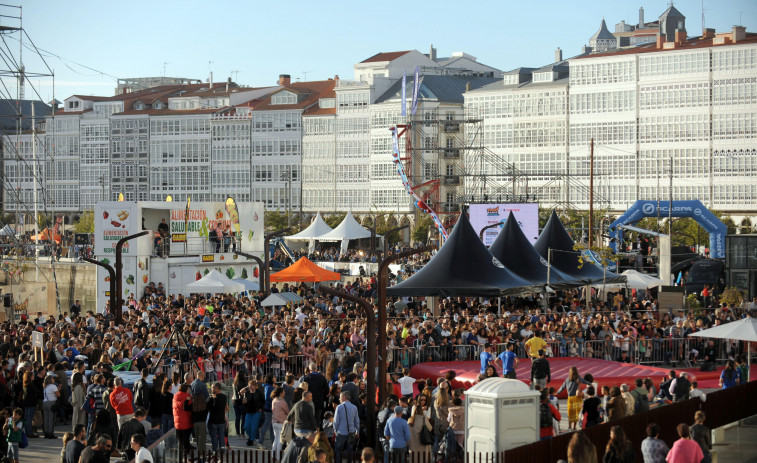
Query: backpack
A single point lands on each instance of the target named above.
(641, 402)
(681, 391)
(545, 416)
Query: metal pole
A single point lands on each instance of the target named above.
(591, 196)
(289, 196)
(34, 179)
(267, 256)
(112, 276)
(119, 269)
(257, 260)
(370, 321)
(383, 281)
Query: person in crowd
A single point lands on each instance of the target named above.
(680, 387)
(696, 392)
(701, 435)
(592, 408)
(321, 448)
(619, 449)
(74, 448)
(729, 377)
(302, 415)
(182, 416)
(346, 427)
(141, 454)
(547, 414)
(397, 432)
(640, 397)
(616, 406)
(572, 384)
(540, 374)
(218, 407)
(280, 410)
(13, 428)
(99, 452)
(654, 449)
(128, 429)
(51, 392)
(581, 449)
(121, 400)
(628, 399)
(685, 449)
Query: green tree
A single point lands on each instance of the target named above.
(423, 224)
(275, 220)
(333, 220)
(86, 223)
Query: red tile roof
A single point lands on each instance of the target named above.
(389, 56)
(311, 91)
(90, 97)
(168, 112)
(63, 112)
(691, 44)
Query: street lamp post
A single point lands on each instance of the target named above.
(267, 255)
(392, 230)
(370, 321)
(119, 269)
(112, 277)
(258, 261)
(383, 281)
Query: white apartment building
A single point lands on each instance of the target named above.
(347, 162)
(689, 102)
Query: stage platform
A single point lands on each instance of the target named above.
(606, 373)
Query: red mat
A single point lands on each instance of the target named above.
(605, 372)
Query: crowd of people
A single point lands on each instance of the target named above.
(297, 373)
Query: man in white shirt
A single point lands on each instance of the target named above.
(406, 383)
(142, 455)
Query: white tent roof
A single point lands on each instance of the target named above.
(317, 228)
(634, 280)
(349, 229)
(743, 330)
(248, 285)
(214, 282)
(7, 231)
(276, 299)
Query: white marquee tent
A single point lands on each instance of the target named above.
(634, 280)
(741, 330)
(348, 230)
(214, 282)
(316, 229)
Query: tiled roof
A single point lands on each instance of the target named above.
(311, 92)
(691, 44)
(90, 97)
(63, 112)
(168, 112)
(388, 56)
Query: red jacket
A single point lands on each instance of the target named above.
(182, 418)
(120, 400)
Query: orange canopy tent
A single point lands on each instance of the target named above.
(305, 270)
(44, 235)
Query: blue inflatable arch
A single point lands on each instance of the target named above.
(694, 209)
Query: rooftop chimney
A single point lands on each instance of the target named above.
(660, 40)
(336, 76)
(558, 55)
(708, 33)
(432, 53)
(680, 36)
(285, 79)
(467, 87)
(641, 18)
(739, 33)
(586, 49)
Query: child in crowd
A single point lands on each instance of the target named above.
(556, 403)
(328, 426)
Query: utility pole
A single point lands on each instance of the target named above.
(591, 194)
(670, 204)
(35, 178)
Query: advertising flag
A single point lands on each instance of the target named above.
(416, 87)
(404, 93)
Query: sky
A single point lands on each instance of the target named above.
(89, 44)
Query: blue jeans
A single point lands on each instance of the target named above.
(267, 426)
(216, 435)
(239, 416)
(342, 444)
(385, 447)
(399, 455)
(251, 422)
(166, 423)
(28, 417)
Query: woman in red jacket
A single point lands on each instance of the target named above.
(182, 416)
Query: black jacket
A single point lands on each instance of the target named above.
(142, 394)
(319, 386)
(127, 430)
(540, 369)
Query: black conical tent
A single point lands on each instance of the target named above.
(462, 267)
(565, 258)
(516, 253)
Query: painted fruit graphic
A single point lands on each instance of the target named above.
(173, 274)
(219, 214)
(130, 280)
(144, 279)
(198, 276)
(222, 257)
(255, 272)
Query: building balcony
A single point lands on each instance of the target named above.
(451, 127)
(450, 207)
(451, 180)
(451, 153)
